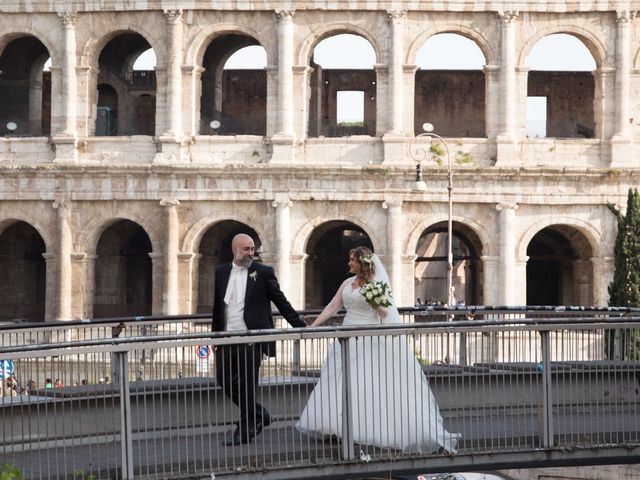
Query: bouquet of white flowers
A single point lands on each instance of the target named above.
(376, 294)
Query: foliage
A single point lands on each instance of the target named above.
(624, 290)
(10, 472)
(79, 474)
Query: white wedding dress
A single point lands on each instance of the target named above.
(391, 402)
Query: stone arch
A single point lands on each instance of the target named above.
(99, 40)
(15, 32)
(308, 44)
(590, 232)
(198, 44)
(408, 248)
(593, 43)
(193, 237)
(301, 237)
(89, 236)
(35, 223)
(427, 244)
(23, 272)
(484, 44)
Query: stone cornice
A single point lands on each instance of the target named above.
(552, 6)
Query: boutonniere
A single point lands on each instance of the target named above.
(253, 276)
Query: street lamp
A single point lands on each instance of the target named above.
(418, 154)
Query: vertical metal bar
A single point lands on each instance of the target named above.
(547, 399)
(348, 450)
(126, 443)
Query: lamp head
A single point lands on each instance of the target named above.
(427, 127)
(11, 126)
(215, 124)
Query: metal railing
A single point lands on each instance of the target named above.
(145, 404)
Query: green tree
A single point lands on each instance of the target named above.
(9, 472)
(624, 290)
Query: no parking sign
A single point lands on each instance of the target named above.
(202, 360)
(6, 368)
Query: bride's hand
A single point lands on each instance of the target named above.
(382, 311)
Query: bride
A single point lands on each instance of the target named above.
(392, 405)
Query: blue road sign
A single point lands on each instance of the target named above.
(203, 351)
(6, 368)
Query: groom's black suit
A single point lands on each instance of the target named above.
(238, 366)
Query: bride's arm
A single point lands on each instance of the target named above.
(382, 311)
(332, 307)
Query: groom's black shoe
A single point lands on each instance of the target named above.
(266, 421)
(238, 438)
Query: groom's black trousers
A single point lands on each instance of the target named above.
(237, 371)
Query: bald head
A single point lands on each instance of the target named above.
(243, 249)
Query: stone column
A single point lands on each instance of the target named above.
(398, 19)
(69, 82)
(394, 245)
(157, 274)
(170, 291)
(508, 72)
(51, 301)
(174, 73)
(507, 261)
(64, 260)
(284, 19)
(491, 270)
(188, 264)
(623, 72)
(621, 140)
(282, 204)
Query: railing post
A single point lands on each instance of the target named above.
(125, 417)
(348, 451)
(547, 398)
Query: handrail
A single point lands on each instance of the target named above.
(425, 310)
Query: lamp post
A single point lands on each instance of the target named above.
(418, 154)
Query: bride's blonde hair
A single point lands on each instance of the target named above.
(364, 255)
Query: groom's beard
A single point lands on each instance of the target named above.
(244, 261)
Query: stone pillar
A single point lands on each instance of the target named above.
(282, 204)
(492, 112)
(394, 248)
(491, 270)
(398, 19)
(188, 283)
(284, 19)
(157, 274)
(174, 73)
(507, 260)
(621, 141)
(296, 293)
(50, 305)
(603, 270)
(69, 82)
(64, 247)
(506, 151)
(170, 291)
(623, 72)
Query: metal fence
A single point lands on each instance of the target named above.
(138, 399)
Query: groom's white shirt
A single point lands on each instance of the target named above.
(234, 298)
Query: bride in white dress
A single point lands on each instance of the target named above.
(392, 404)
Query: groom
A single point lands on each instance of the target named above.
(243, 293)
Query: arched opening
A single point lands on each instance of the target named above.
(126, 96)
(431, 266)
(450, 89)
(215, 250)
(123, 282)
(343, 94)
(559, 270)
(234, 87)
(107, 115)
(25, 88)
(22, 273)
(560, 88)
(327, 258)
